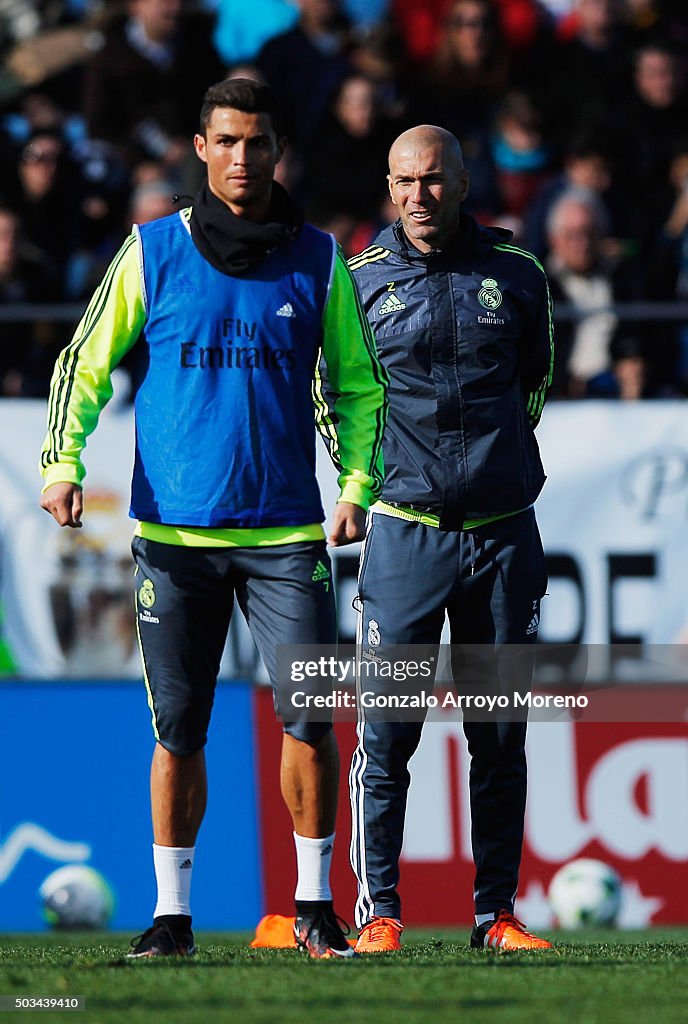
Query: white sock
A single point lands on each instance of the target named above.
(313, 859)
(484, 919)
(173, 869)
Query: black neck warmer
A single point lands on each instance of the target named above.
(233, 244)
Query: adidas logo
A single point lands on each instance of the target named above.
(183, 286)
(534, 625)
(391, 305)
(321, 574)
(286, 310)
(185, 864)
(327, 849)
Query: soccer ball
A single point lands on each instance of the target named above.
(76, 896)
(585, 893)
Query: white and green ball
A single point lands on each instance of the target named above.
(585, 893)
(76, 896)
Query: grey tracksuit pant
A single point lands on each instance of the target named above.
(489, 581)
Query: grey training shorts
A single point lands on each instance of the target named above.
(184, 602)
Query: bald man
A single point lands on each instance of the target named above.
(462, 321)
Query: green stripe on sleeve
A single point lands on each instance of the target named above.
(537, 398)
(357, 390)
(81, 383)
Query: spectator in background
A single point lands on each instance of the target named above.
(649, 19)
(36, 110)
(143, 89)
(46, 43)
(365, 232)
(629, 368)
(670, 272)
(366, 14)
(461, 89)
(242, 29)
(306, 65)
(346, 165)
(521, 157)
(27, 349)
(151, 200)
(19, 20)
(668, 264)
(469, 72)
(522, 21)
(47, 197)
(103, 198)
(647, 126)
(380, 56)
(528, 29)
(642, 18)
(580, 276)
(421, 24)
(587, 165)
(70, 202)
(86, 188)
(585, 79)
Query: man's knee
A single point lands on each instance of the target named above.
(183, 731)
(498, 744)
(182, 750)
(312, 733)
(389, 746)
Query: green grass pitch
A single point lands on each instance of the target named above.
(591, 978)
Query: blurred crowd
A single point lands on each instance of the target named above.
(573, 116)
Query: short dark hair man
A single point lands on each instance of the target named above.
(463, 325)
(235, 302)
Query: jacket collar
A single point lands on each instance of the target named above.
(469, 237)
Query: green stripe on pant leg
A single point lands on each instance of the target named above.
(149, 692)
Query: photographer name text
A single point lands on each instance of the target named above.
(349, 701)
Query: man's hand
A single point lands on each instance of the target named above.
(348, 524)
(65, 504)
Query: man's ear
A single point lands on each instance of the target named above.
(465, 185)
(281, 148)
(389, 186)
(200, 147)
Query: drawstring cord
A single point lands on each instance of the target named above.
(471, 541)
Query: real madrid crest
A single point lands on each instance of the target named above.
(147, 594)
(374, 633)
(489, 295)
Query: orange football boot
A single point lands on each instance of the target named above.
(507, 935)
(381, 935)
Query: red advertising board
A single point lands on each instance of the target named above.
(614, 791)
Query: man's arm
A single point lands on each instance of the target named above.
(350, 394)
(537, 362)
(81, 383)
